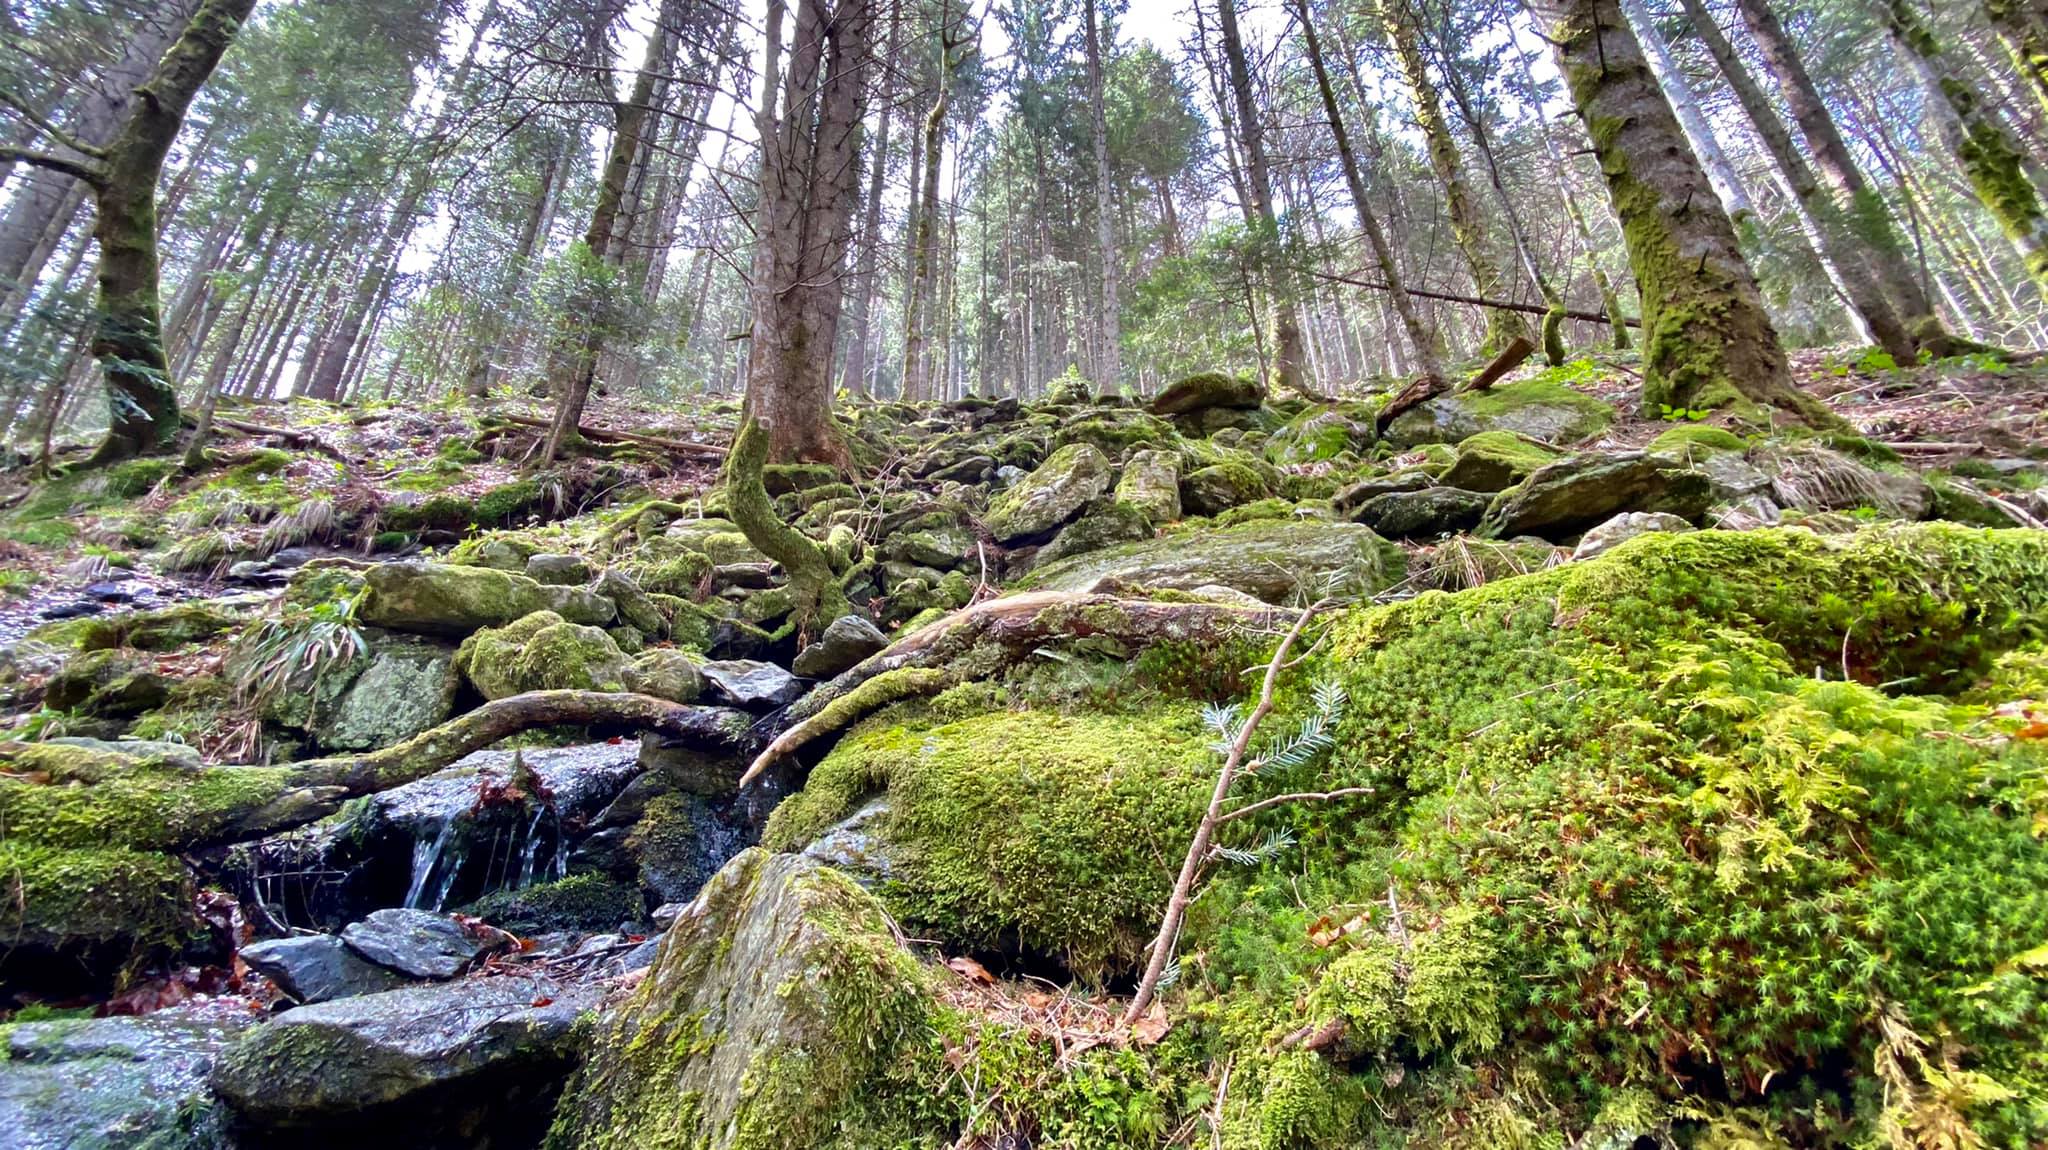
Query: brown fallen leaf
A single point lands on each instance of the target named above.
(1153, 1027)
(971, 970)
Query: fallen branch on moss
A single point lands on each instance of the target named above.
(601, 435)
(848, 709)
(295, 438)
(1021, 622)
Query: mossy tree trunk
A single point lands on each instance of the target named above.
(1428, 346)
(1707, 339)
(1290, 353)
(2023, 26)
(814, 593)
(1836, 246)
(1969, 127)
(128, 332)
(1468, 226)
(1860, 206)
(809, 186)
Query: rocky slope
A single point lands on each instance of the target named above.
(1686, 780)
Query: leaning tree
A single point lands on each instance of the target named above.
(123, 177)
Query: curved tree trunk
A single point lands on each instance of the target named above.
(1707, 339)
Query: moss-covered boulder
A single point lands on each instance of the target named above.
(781, 1014)
(1423, 514)
(666, 673)
(1495, 460)
(1205, 390)
(1107, 524)
(107, 684)
(542, 652)
(1079, 822)
(1565, 498)
(1067, 481)
(1114, 433)
(443, 599)
(580, 902)
(1151, 484)
(1270, 559)
(393, 688)
(1539, 409)
(157, 629)
(1219, 487)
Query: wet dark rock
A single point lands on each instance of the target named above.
(470, 1063)
(74, 610)
(420, 943)
(115, 1083)
(580, 902)
(856, 846)
(1572, 495)
(318, 967)
(845, 642)
(111, 593)
(751, 684)
(1427, 513)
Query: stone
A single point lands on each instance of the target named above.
(558, 570)
(1571, 495)
(442, 599)
(666, 673)
(106, 684)
(1808, 477)
(1067, 481)
(1324, 433)
(396, 686)
(1151, 483)
(1624, 527)
(856, 845)
(1359, 494)
(1547, 412)
(1428, 513)
(420, 943)
(317, 968)
(1106, 525)
(1494, 461)
(1205, 390)
(118, 1082)
(636, 609)
(943, 546)
(755, 991)
(1222, 486)
(500, 555)
(972, 469)
(752, 684)
(542, 652)
(842, 644)
(1744, 514)
(1269, 558)
(478, 1056)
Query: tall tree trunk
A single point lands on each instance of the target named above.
(1707, 339)
(47, 198)
(1971, 131)
(2023, 27)
(1282, 282)
(1468, 227)
(1428, 350)
(1705, 144)
(809, 185)
(575, 368)
(1109, 368)
(128, 338)
(1834, 243)
(1863, 208)
(918, 282)
(855, 376)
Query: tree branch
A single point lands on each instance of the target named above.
(1296, 797)
(85, 170)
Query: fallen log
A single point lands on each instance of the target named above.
(289, 435)
(602, 435)
(1477, 301)
(1510, 358)
(920, 662)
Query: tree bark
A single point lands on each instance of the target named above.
(1986, 151)
(1835, 245)
(809, 184)
(1708, 341)
(1705, 144)
(1860, 205)
(1109, 368)
(1468, 227)
(2023, 27)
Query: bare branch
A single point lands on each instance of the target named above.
(85, 170)
(1296, 797)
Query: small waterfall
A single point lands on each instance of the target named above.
(528, 852)
(426, 855)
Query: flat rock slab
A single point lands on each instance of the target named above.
(848, 640)
(317, 968)
(750, 683)
(107, 1083)
(341, 1059)
(1267, 559)
(420, 943)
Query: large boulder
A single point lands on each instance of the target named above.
(844, 642)
(107, 684)
(1548, 412)
(779, 1010)
(1427, 513)
(666, 673)
(1105, 525)
(1205, 390)
(1270, 559)
(1067, 481)
(1219, 487)
(1571, 495)
(542, 652)
(396, 686)
(483, 1055)
(440, 599)
(114, 1083)
(1495, 461)
(1151, 484)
